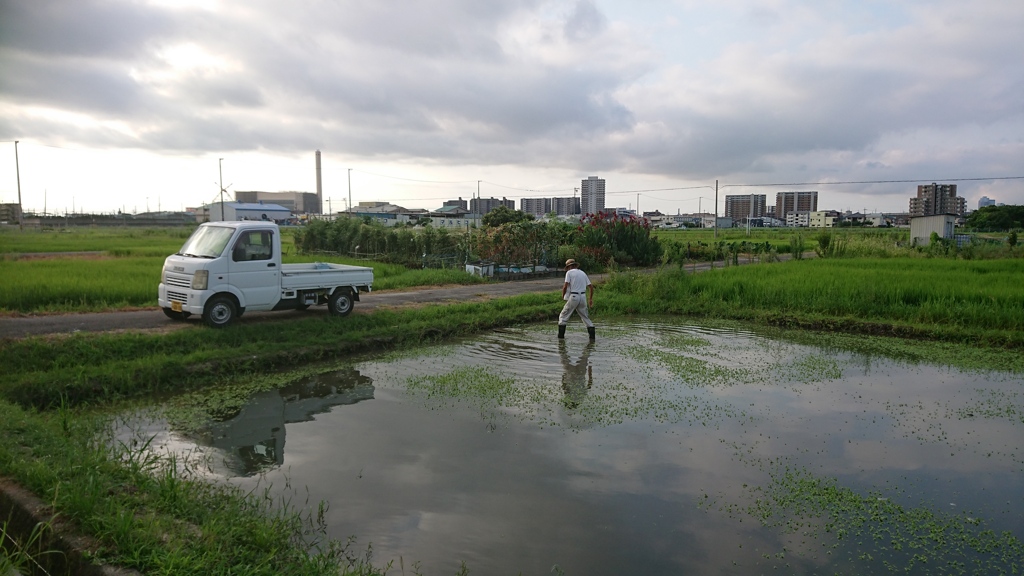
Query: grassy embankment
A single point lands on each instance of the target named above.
(144, 511)
(127, 272)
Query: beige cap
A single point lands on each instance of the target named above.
(570, 263)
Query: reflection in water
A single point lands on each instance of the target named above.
(254, 438)
(577, 378)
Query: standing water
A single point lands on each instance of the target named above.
(662, 448)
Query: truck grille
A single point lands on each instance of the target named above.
(179, 281)
(177, 297)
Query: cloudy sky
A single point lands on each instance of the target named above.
(132, 104)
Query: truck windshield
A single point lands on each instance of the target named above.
(207, 242)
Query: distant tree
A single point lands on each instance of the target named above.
(504, 215)
(626, 239)
(996, 218)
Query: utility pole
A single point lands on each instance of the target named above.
(220, 171)
(349, 206)
(750, 213)
(716, 209)
(17, 171)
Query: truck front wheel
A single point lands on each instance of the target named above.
(341, 302)
(220, 311)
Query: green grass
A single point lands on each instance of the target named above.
(78, 285)
(104, 367)
(149, 241)
(159, 515)
(845, 242)
(949, 299)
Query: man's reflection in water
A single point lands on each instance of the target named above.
(577, 378)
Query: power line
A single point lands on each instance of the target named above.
(657, 190)
(874, 182)
(415, 180)
(531, 190)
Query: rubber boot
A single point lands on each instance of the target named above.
(561, 330)
(591, 330)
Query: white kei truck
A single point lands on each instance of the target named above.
(227, 268)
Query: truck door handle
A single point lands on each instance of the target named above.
(271, 265)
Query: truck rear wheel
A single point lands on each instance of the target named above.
(341, 302)
(220, 311)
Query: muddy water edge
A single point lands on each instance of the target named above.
(663, 447)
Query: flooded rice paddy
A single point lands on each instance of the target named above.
(662, 448)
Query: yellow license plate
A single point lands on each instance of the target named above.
(176, 306)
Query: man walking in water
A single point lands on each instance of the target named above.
(577, 285)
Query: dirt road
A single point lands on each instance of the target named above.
(154, 319)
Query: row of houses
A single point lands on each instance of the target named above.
(794, 219)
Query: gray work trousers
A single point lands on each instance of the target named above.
(576, 303)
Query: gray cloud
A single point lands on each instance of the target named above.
(81, 28)
(553, 84)
(585, 21)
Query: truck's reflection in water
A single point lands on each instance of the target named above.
(253, 440)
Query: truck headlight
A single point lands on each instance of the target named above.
(163, 276)
(200, 280)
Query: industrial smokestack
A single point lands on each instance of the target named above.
(319, 186)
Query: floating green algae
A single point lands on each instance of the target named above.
(873, 529)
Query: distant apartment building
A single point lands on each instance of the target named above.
(565, 206)
(986, 201)
(798, 219)
(934, 199)
(10, 213)
(535, 206)
(592, 195)
(787, 202)
(822, 219)
(485, 205)
(742, 206)
(297, 202)
(460, 203)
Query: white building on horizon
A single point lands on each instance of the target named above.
(592, 195)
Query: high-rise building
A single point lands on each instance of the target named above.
(986, 201)
(786, 202)
(545, 206)
(934, 199)
(485, 205)
(592, 195)
(535, 206)
(741, 206)
(565, 206)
